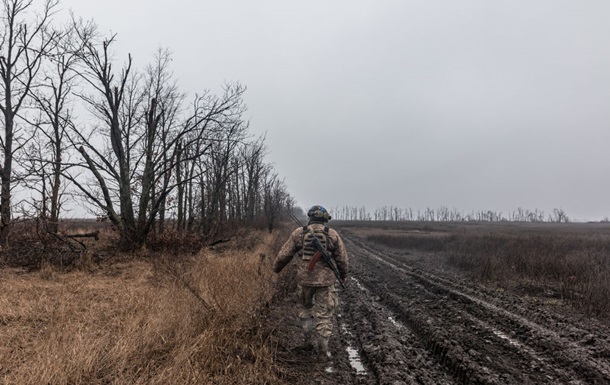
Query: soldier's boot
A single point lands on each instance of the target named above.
(308, 333)
(322, 347)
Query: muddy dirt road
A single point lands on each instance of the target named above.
(403, 321)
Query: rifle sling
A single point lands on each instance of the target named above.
(314, 260)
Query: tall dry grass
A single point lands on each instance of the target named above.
(193, 320)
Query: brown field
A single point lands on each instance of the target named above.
(147, 320)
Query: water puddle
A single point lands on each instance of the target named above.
(505, 337)
(364, 289)
(354, 360)
(395, 323)
(345, 331)
(352, 353)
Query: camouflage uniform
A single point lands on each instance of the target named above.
(316, 297)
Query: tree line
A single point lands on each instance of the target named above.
(445, 214)
(145, 156)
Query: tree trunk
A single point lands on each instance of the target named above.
(5, 189)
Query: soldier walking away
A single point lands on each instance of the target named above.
(316, 297)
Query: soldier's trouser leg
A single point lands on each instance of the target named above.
(305, 299)
(324, 304)
(316, 307)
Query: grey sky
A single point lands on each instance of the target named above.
(468, 104)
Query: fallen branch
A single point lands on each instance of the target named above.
(94, 234)
(218, 242)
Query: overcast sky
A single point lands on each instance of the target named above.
(474, 105)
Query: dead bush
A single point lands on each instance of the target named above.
(32, 246)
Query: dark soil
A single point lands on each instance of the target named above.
(405, 320)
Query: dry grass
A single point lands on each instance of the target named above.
(188, 321)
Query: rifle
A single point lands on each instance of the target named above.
(322, 252)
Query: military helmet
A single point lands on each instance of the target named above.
(318, 213)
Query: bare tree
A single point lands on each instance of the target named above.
(107, 101)
(275, 198)
(218, 171)
(559, 216)
(132, 173)
(252, 157)
(53, 101)
(24, 41)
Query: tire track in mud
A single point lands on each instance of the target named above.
(391, 353)
(475, 338)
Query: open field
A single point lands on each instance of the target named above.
(427, 303)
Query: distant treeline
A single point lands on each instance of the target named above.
(445, 214)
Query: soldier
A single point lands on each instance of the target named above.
(316, 297)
